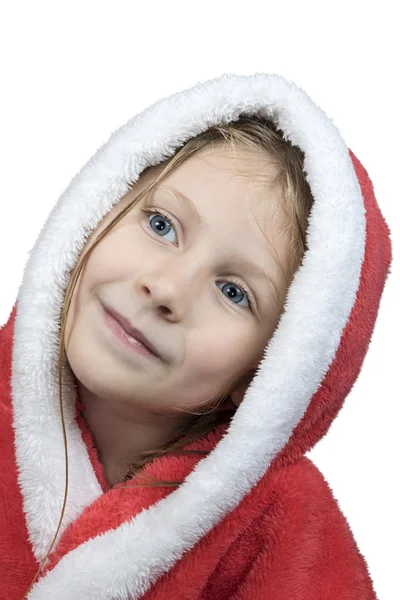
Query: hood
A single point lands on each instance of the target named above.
(308, 367)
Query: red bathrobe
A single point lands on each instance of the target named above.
(254, 518)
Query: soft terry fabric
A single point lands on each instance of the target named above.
(254, 518)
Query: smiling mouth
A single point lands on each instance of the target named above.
(127, 340)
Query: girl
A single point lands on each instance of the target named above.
(191, 318)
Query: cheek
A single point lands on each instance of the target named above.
(216, 352)
(104, 266)
(110, 261)
(213, 358)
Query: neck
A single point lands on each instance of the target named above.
(121, 431)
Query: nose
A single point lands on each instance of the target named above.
(172, 287)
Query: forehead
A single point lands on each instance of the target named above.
(220, 177)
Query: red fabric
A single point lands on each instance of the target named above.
(17, 563)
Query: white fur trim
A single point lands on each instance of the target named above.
(294, 364)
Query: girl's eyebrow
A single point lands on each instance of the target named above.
(186, 203)
(248, 266)
(237, 259)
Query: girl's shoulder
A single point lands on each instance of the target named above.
(302, 544)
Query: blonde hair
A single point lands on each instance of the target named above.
(259, 137)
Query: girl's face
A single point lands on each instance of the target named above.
(180, 285)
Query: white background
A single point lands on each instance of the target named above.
(71, 73)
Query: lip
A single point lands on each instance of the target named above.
(133, 337)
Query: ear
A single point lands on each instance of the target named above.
(237, 393)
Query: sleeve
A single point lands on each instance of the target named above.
(308, 550)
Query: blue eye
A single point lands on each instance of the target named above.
(159, 220)
(160, 216)
(242, 289)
